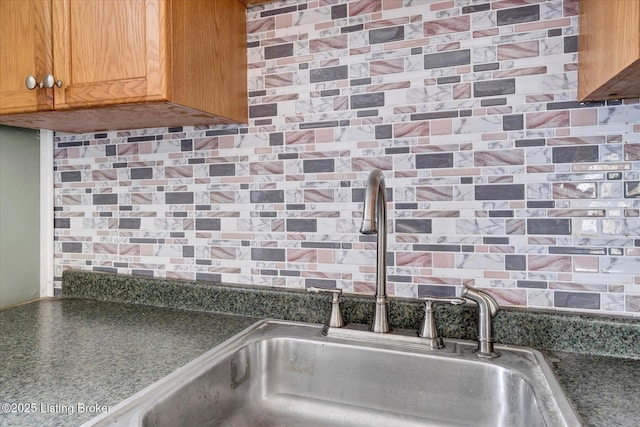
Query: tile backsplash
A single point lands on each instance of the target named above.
(496, 176)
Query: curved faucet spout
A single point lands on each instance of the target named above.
(374, 221)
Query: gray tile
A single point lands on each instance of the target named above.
(499, 192)
(188, 251)
(71, 176)
(302, 225)
(585, 153)
(476, 8)
(129, 223)
(268, 254)
(551, 226)
(320, 245)
(318, 165)
(179, 198)
(434, 161)
(570, 44)
(513, 122)
(267, 196)
(278, 51)
(278, 11)
(495, 240)
(515, 262)
(72, 247)
(62, 223)
(491, 66)
(141, 173)
(320, 283)
(437, 248)
(210, 224)
(434, 115)
(410, 225)
(386, 34)
(576, 300)
(208, 277)
(576, 250)
(339, 11)
(518, 15)
(276, 138)
(436, 291)
(384, 132)
(317, 125)
(367, 100)
(532, 284)
(340, 72)
(222, 169)
(263, 110)
(105, 199)
(494, 87)
(447, 59)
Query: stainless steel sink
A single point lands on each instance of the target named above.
(278, 373)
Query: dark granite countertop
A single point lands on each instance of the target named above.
(79, 354)
(62, 361)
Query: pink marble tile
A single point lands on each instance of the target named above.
(445, 26)
(552, 119)
(442, 5)
(414, 259)
(284, 20)
(266, 168)
(513, 3)
(369, 163)
(302, 255)
(520, 72)
(261, 25)
(434, 193)
(462, 91)
(441, 127)
(541, 25)
(328, 44)
(362, 7)
(402, 130)
(499, 157)
(584, 117)
(300, 137)
(526, 49)
(278, 80)
(387, 66)
(557, 263)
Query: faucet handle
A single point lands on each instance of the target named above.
(335, 319)
(487, 308)
(428, 329)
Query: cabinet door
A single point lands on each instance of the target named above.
(109, 52)
(25, 50)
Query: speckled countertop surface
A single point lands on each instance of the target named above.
(63, 360)
(77, 353)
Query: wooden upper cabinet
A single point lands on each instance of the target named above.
(123, 64)
(609, 50)
(25, 50)
(109, 52)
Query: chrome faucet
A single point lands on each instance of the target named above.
(487, 309)
(374, 221)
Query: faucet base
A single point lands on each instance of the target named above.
(380, 316)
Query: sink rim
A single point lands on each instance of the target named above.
(134, 408)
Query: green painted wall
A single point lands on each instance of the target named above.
(19, 215)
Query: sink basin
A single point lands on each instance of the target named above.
(278, 373)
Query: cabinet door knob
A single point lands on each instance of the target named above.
(31, 82)
(48, 82)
